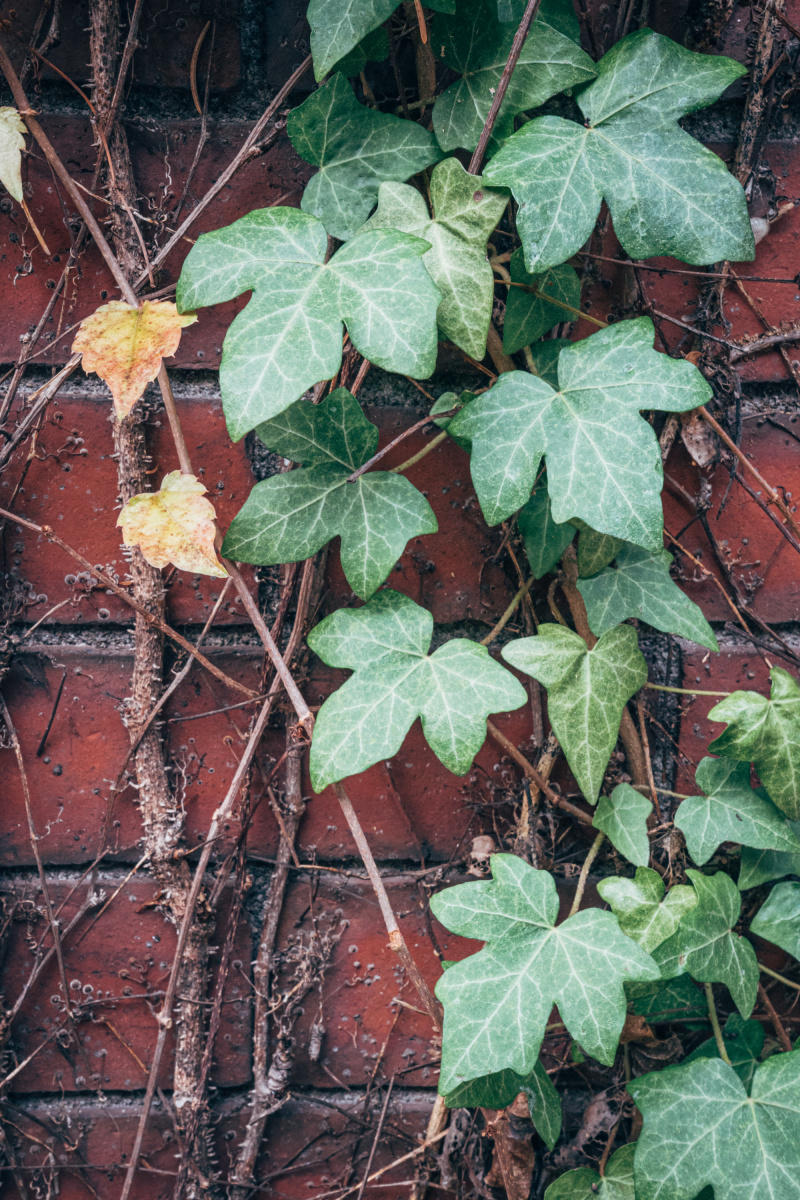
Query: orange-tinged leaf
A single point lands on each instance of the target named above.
(174, 525)
(125, 345)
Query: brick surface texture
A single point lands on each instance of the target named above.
(77, 1100)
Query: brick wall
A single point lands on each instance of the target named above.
(76, 1103)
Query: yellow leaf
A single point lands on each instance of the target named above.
(12, 142)
(125, 345)
(174, 525)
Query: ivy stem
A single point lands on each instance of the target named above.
(530, 772)
(777, 1024)
(781, 978)
(584, 875)
(400, 437)
(662, 687)
(415, 458)
(516, 49)
(396, 939)
(712, 1015)
(508, 614)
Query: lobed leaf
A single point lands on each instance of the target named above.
(778, 919)
(545, 539)
(356, 149)
(766, 733)
(125, 345)
(603, 459)
(337, 26)
(290, 516)
(586, 691)
(762, 866)
(395, 681)
(622, 817)
(175, 525)
(643, 912)
(730, 811)
(501, 1088)
(289, 336)
(529, 315)
(667, 193)
(586, 1184)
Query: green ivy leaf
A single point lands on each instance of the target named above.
(372, 48)
(622, 817)
(558, 13)
(730, 811)
(641, 909)
(603, 459)
(545, 359)
(767, 734)
(496, 1003)
(395, 681)
(744, 1041)
(706, 945)
(586, 1184)
(595, 550)
(586, 691)
(465, 212)
(701, 1128)
(673, 998)
(667, 193)
(762, 866)
(288, 517)
(475, 45)
(289, 336)
(337, 26)
(641, 587)
(545, 540)
(501, 1088)
(356, 149)
(778, 919)
(528, 315)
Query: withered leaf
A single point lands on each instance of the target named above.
(12, 143)
(125, 345)
(174, 525)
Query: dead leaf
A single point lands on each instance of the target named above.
(698, 438)
(514, 1158)
(174, 525)
(125, 345)
(12, 143)
(636, 1029)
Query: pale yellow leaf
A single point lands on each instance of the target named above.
(125, 345)
(174, 525)
(12, 141)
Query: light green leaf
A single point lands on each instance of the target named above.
(497, 1002)
(475, 45)
(767, 734)
(778, 919)
(744, 1041)
(288, 517)
(641, 587)
(603, 459)
(529, 316)
(586, 1184)
(372, 48)
(289, 336)
(12, 143)
(667, 999)
(446, 402)
(501, 1088)
(395, 681)
(465, 212)
(641, 909)
(706, 945)
(337, 26)
(730, 811)
(356, 149)
(595, 550)
(701, 1128)
(622, 817)
(667, 193)
(545, 540)
(762, 866)
(586, 691)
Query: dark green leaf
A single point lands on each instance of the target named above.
(586, 1184)
(545, 540)
(337, 26)
(762, 866)
(372, 48)
(744, 1041)
(528, 314)
(501, 1088)
(664, 1001)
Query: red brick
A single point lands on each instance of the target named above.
(764, 565)
(129, 947)
(77, 494)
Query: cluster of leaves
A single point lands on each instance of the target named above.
(389, 248)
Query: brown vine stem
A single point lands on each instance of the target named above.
(777, 1024)
(401, 437)
(508, 614)
(113, 586)
(594, 850)
(530, 772)
(396, 939)
(164, 1017)
(714, 1019)
(502, 87)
